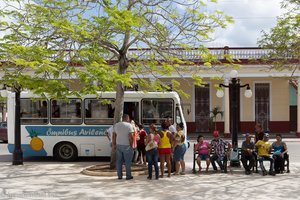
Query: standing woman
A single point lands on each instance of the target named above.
(134, 142)
(179, 150)
(164, 148)
(280, 150)
(152, 155)
(141, 145)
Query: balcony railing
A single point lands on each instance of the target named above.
(195, 54)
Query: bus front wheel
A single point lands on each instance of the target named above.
(66, 152)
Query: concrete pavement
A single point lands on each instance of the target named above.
(48, 179)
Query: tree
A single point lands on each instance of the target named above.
(284, 38)
(54, 37)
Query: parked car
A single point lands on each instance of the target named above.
(3, 131)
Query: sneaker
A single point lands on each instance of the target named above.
(264, 173)
(129, 178)
(149, 177)
(182, 173)
(272, 173)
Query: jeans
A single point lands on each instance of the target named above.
(261, 162)
(245, 158)
(179, 152)
(278, 163)
(220, 160)
(124, 153)
(152, 158)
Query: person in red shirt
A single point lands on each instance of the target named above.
(141, 145)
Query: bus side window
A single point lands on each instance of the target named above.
(43, 113)
(157, 110)
(98, 111)
(55, 109)
(66, 112)
(33, 111)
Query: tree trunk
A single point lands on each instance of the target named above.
(119, 103)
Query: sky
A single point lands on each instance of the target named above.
(251, 17)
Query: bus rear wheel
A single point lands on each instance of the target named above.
(66, 152)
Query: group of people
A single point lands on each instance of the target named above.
(260, 148)
(220, 154)
(168, 145)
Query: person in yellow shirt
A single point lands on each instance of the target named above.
(264, 148)
(165, 148)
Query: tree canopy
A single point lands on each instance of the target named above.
(284, 38)
(49, 43)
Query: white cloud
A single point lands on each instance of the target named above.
(251, 17)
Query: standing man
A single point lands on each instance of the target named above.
(248, 154)
(122, 143)
(259, 132)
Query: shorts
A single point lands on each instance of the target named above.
(163, 151)
(179, 152)
(203, 156)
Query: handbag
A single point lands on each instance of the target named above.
(151, 144)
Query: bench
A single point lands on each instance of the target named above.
(255, 167)
(286, 162)
(195, 155)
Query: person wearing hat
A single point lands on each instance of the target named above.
(264, 148)
(220, 152)
(248, 154)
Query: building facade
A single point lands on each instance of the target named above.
(273, 103)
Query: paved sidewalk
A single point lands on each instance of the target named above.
(48, 179)
(64, 181)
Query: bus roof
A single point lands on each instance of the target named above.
(127, 94)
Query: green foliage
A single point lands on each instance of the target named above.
(48, 44)
(284, 38)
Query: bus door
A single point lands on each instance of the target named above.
(132, 109)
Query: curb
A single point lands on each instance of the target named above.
(104, 170)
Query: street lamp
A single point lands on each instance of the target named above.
(18, 153)
(234, 87)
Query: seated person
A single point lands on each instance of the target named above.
(220, 154)
(280, 151)
(203, 148)
(264, 148)
(55, 109)
(248, 154)
(43, 110)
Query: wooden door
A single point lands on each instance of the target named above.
(262, 104)
(202, 111)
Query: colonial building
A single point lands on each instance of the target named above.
(273, 102)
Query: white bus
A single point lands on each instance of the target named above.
(76, 127)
